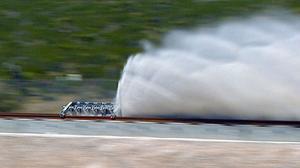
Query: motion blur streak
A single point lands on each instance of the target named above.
(241, 69)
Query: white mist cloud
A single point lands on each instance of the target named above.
(245, 69)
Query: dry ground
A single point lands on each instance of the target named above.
(37, 105)
(96, 152)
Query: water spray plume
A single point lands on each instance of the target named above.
(247, 69)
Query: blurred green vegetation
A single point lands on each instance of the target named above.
(49, 38)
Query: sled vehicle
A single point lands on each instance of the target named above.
(82, 108)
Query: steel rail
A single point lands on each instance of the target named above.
(8, 115)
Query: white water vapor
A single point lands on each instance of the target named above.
(245, 69)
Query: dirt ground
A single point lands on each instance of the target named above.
(36, 105)
(43, 152)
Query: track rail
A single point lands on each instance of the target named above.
(43, 116)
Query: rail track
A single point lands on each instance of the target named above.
(45, 116)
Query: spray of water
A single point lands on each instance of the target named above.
(246, 69)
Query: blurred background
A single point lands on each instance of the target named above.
(53, 52)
